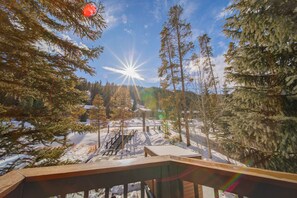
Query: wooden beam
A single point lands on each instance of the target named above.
(76, 170)
(11, 184)
(168, 172)
(75, 184)
(250, 182)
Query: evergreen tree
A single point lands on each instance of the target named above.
(95, 89)
(108, 91)
(37, 70)
(209, 100)
(181, 33)
(262, 65)
(168, 71)
(120, 106)
(98, 115)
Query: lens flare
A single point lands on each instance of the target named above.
(89, 10)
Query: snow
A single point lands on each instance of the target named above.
(172, 150)
(88, 107)
(85, 144)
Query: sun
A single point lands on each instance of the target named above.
(129, 68)
(130, 71)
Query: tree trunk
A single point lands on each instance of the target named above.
(208, 144)
(99, 144)
(183, 87)
(175, 95)
(122, 126)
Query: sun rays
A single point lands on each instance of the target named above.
(129, 69)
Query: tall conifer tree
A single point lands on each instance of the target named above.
(262, 64)
(98, 114)
(37, 74)
(181, 33)
(121, 108)
(209, 93)
(168, 71)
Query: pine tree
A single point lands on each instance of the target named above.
(262, 65)
(181, 33)
(209, 102)
(98, 115)
(37, 71)
(168, 70)
(120, 106)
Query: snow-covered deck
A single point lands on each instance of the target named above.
(170, 150)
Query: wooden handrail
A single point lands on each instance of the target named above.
(166, 170)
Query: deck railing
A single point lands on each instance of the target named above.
(168, 172)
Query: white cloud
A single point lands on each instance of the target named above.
(161, 7)
(153, 80)
(222, 45)
(124, 19)
(146, 26)
(218, 61)
(220, 65)
(190, 6)
(113, 13)
(157, 11)
(128, 31)
(224, 13)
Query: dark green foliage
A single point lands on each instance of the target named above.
(262, 64)
(37, 75)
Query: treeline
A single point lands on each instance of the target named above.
(150, 97)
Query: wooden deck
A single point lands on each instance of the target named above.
(168, 171)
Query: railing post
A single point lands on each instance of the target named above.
(169, 185)
(106, 192)
(216, 193)
(86, 194)
(142, 189)
(196, 193)
(125, 190)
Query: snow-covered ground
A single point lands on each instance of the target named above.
(85, 146)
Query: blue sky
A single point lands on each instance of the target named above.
(134, 27)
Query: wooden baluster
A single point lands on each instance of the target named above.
(63, 196)
(106, 192)
(86, 194)
(216, 193)
(125, 190)
(196, 193)
(142, 189)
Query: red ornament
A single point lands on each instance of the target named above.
(89, 10)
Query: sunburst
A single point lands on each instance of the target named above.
(129, 68)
